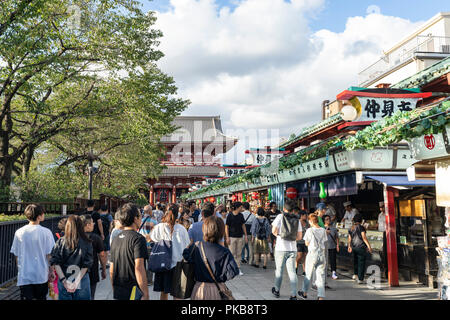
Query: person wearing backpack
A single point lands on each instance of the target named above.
(260, 231)
(288, 230)
(177, 236)
(358, 245)
(249, 218)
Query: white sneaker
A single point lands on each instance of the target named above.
(241, 273)
(359, 281)
(355, 277)
(334, 276)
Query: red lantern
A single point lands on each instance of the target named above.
(212, 199)
(291, 193)
(255, 196)
(233, 198)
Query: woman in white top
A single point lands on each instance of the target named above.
(316, 241)
(169, 230)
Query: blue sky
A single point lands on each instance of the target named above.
(334, 14)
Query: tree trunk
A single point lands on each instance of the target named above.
(6, 162)
(28, 157)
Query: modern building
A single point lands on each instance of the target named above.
(191, 156)
(420, 50)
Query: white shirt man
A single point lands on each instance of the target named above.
(350, 212)
(32, 246)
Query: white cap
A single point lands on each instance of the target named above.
(347, 203)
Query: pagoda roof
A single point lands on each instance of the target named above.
(199, 129)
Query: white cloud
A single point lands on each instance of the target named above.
(260, 66)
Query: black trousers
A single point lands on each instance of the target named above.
(359, 262)
(34, 291)
(93, 288)
(332, 258)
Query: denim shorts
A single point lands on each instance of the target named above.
(84, 293)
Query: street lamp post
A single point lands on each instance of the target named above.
(92, 170)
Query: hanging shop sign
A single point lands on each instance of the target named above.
(261, 156)
(431, 146)
(373, 104)
(231, 170)
(291, 193)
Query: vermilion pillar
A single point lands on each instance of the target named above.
(174, 194)
(391, 237)
(152, 196)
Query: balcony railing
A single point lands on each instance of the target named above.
(419, 44)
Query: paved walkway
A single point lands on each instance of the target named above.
(256, 284)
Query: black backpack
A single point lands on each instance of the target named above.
(261, 233)
(105, 223)
(289, 226)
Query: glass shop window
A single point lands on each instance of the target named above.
(411, 222)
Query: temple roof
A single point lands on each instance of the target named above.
(203, 129)
(190, 171)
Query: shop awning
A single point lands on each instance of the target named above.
(392, 181)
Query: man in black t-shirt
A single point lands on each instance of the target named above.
(235, 230)
(128, 255)
(98, 252)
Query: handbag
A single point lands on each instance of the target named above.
(160, 259)
(225, 294)
(183, 280)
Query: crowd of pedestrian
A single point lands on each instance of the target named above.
(160, 246)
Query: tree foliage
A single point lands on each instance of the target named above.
(79, 80)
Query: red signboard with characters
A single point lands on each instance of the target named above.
(429, 141)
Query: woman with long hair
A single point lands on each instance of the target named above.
(72, 257)
(219, 266)
(316, 241)
(169, 230)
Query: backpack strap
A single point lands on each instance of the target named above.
(143, 222)
(205, 261)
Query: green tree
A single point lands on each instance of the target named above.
(72, 71)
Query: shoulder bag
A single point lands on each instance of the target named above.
(225, 294)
